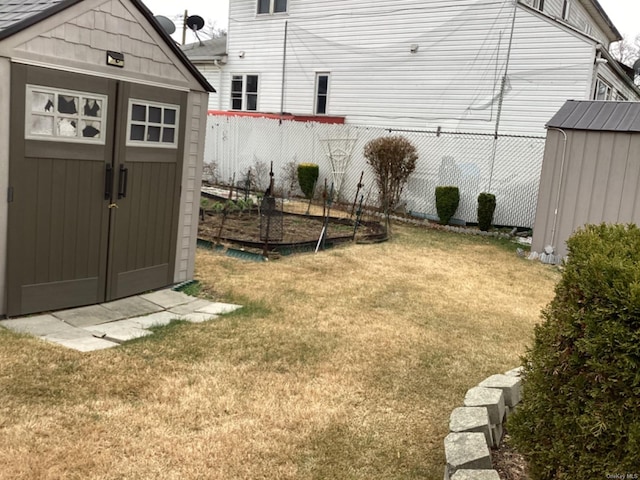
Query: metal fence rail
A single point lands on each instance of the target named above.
(507, 166)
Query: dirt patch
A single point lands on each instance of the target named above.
(244, 228)
(509, 464)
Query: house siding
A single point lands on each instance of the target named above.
(452, 81)
(5, 98)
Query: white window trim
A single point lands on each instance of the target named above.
(30, 89)
(146, 123)
(243, 107)
(272, 6)
(566, 10)
(316, 93)
(608, 95)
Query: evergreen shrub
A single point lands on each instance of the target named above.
(447, 200)
(486, 207)
(580, 414)
(307, 177)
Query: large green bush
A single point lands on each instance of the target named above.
(580, 416)
(486, 207)
(447, 200)
(307, 177)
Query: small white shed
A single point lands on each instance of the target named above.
(590, 172)
(101, 146)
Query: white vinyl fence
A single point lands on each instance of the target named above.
(509, 166)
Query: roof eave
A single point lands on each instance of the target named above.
(597, 12)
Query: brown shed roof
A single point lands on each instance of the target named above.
(597, 115)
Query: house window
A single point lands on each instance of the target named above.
(244, 92)
(619, 97)
(566, 6)
(152, 124)
(537, 4)
(266, 7)
(603, 90)
(64, 115)
(322, 93)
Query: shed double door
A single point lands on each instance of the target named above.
(94, 193)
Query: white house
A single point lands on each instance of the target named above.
(482, 66)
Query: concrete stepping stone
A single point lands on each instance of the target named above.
(466, 451)
(120, 331)
(132, 307)
(78, 339)
(511, 387)
(491, 398)
(159, 319)
(38, 325)
(471, 419)
(219, 308)
(167, 298)
(475, 475)
(198, 317)
(86, 316)
(191, 307)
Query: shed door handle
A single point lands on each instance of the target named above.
(122, 182)
(108, 182)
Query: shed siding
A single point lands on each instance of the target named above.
(599, 184)
(5, 98)
(191, 179)
(79, 37)
(452, 81)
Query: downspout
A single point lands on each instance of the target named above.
(284, 66)
(557, 205)
(216, 63)
(502, 90)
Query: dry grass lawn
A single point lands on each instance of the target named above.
(342, 365)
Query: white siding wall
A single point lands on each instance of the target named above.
(451, 82)
(5, 98)
(214, 75)
(578, 17)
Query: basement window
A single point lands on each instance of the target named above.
(152, 124)
(64, 115)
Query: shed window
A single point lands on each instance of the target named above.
(64, 115)
(272, 6)
(152, 124)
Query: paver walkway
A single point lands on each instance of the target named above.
(109, 324)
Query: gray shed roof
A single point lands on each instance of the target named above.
(597, 115)
(16, 15)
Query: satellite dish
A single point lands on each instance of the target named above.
(166, 24)
(195, 22)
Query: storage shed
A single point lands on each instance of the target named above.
(101, 146)
(590, 172)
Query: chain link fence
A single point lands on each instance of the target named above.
(507, 166)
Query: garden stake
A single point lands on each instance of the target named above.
(225, 210)
(268, 207)
(311, 196)
(358, 217)
(324, 198)
(326, 218)
(355, 199)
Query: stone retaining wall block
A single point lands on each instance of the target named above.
(510, 386)
(475, 475)
(491, 398)
(466, 451)
(471, 419)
